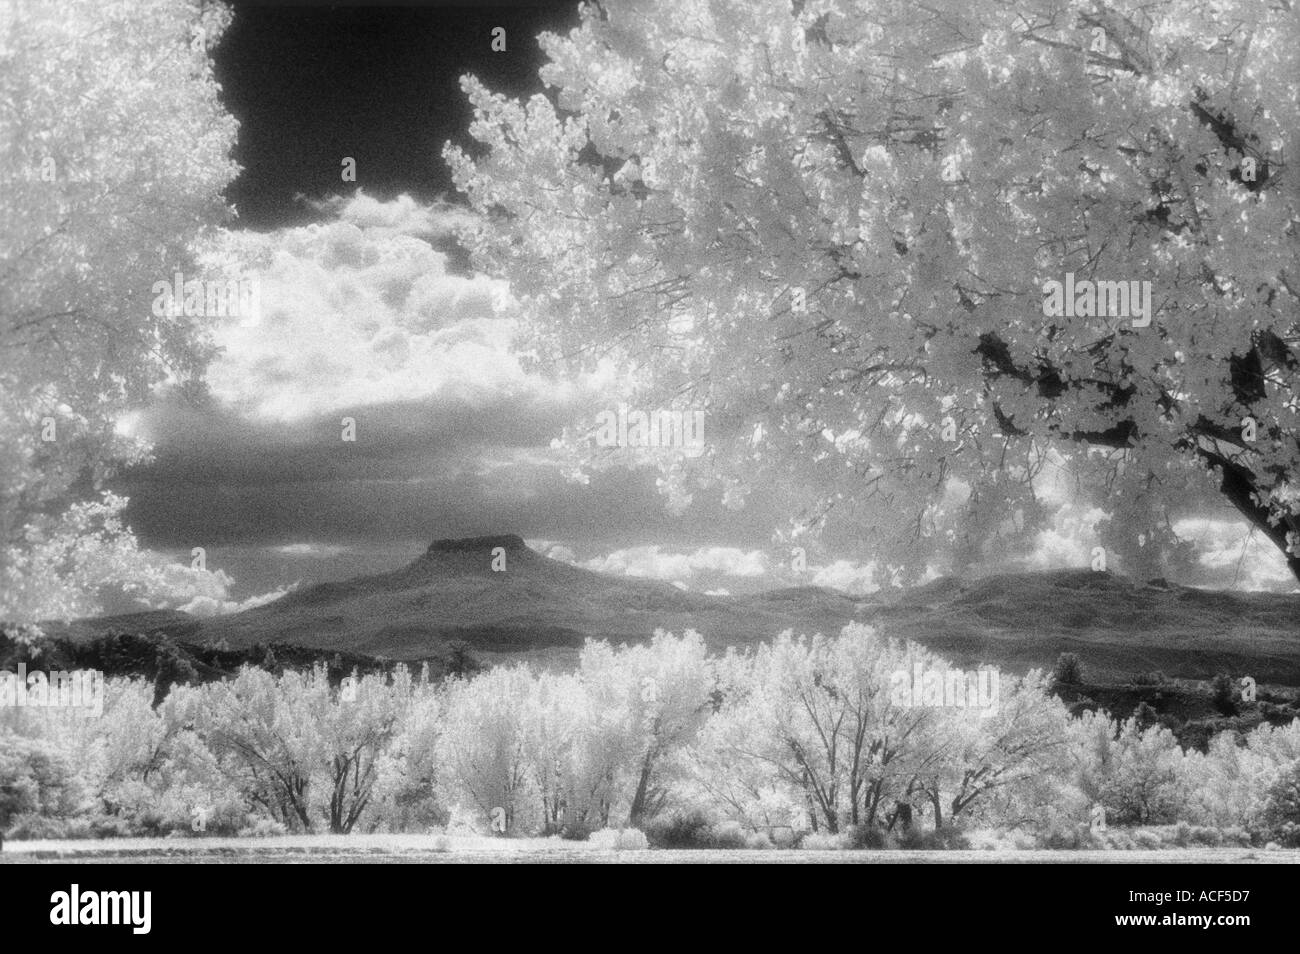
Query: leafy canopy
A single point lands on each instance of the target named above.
(828, 224)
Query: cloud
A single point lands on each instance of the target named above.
(1227, 555)
(651, 562)
(554, 551)
(1230, 555)
(847, 576)
(707, 569)
(361, 319)
(316, 551)
(211, 606)
(371, 316)
(1068, 542)
(200, 592)
(400, 216)
(363, 312)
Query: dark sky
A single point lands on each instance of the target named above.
(312, 83)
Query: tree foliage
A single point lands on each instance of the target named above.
(829, 224)
(805, 734)
(114, 151)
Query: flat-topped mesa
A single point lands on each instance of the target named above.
(512, 544)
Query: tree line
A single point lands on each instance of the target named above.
(802, 735)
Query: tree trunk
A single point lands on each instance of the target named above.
(642, 787)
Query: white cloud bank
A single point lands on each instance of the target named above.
(363, 311)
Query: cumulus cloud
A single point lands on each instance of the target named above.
(200, 592)
(847, 576)
(721, 571)
(1230, 554)
(554, 551)
(1067, 542)
(400, 216)
(1226, 554)
(654, 563)
(361, 317)
(211, 606)
(362, 311)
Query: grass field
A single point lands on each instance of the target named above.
(438, 849)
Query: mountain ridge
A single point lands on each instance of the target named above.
(541, 607)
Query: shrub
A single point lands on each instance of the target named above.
(263, 828)
(871, 837)
(106, 826)
(823, 841)
(1153, 678)
(783, 836)
(36, 778)
(679, 830)
(30, 826)
(1068, 671)
(1285, 836)
(1145, 714)
(1063, 839)
(1282, 804)
(1114, 839)
(1234, 837)
(726, 834)
(1145, 838)
(695, 830)
(1224, 692)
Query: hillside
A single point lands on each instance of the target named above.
(543, 609)
(451, 594)
(1117, 626)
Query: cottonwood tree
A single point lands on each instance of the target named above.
(483, 745)
(819, 715)
(410, 778)
(37, 777)
(824, 719)
(1230, 783)
(655, 697)
(265, 731)
(356, 727)
(581, 752)
(730, 778)
(983, 751)
(1139, 775)
(828, 224)
(149, 767)
(114, 151)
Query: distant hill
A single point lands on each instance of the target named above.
(1117, 626)
(451, 594)
(543, 608)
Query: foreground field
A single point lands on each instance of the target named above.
(437, 849)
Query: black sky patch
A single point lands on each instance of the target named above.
(313, 83)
